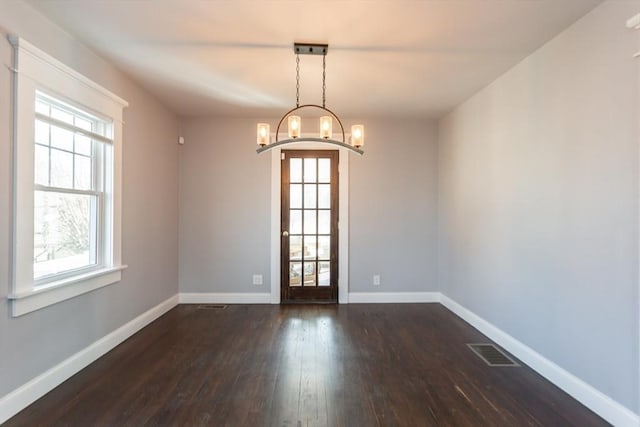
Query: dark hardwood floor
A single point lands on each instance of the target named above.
(304, 365)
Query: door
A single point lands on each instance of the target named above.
(309, 226)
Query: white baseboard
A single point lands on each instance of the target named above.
(224, 298)
(598, 402)
(28, 393)
(393, 297)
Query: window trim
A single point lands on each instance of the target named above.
(34, 70)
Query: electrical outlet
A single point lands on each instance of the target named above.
(376, 280)
(257, 279)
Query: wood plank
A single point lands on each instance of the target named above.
(305, 365)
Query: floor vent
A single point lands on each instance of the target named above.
(211, 307)
(492, 355)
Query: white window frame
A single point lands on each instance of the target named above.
(34, 71)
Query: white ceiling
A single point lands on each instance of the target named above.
(386, 57)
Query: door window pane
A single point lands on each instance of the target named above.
(309, 274)
(310, 250)
(309, 222)
(324, 170)
(309, 196)
(324, 247)
(309, 170)
(324, 196)
(295, 222)
(324, 222)
(324, 274)
(295, 247)
(295, 170)
(295, 196)
(295, 274)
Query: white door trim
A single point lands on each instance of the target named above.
(343, 220)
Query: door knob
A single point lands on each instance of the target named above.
(285, 233)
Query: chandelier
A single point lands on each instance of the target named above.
(294, 123)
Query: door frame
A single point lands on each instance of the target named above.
(343, 219)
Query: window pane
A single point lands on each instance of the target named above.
(61, 169)
(324, 247)
(295, 222)
(62, 115)
(295, 247)
(82, 173)
(42, 133)
(41, 166)
(295, 170)
(324, 170)
(64, 232)
(295, 273)
(309, 170)
(295, 196)
(309, 196)
(309, 247)
(42, 107)
(324, 222)
(61, 138)
(309, 222)
(82, 123)
(309, 274)
(324, 274)
(83, 145)
(324, 196)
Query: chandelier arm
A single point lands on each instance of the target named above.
(313, 106)
(306, 139)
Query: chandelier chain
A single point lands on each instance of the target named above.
(324, 78)
(297, 80)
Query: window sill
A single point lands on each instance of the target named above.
(61, 290)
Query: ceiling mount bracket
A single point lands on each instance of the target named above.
(310, 48)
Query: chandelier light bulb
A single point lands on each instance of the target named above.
(326, 127)
(263, 134)
(357, 135)
(294, 126)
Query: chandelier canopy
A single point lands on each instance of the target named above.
(294, 123)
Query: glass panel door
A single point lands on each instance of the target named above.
(309, 226)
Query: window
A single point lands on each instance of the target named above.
(69, 197)
(67, 182)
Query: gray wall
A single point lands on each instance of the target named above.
(393, 208)
(225, 207)
(538, 202)
(35, 342)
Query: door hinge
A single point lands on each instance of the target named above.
(282, 156)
